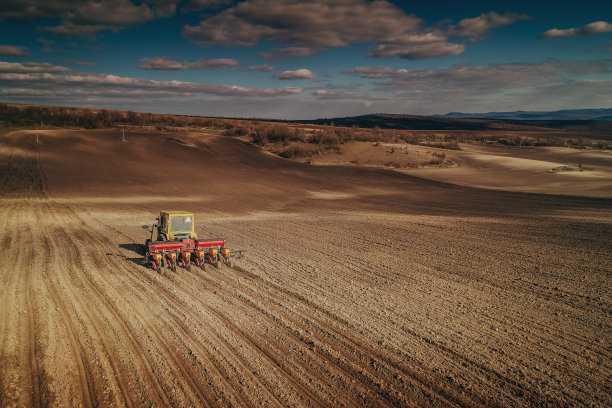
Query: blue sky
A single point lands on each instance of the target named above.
(290, 59)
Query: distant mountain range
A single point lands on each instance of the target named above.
(413, 122)
(567, 114)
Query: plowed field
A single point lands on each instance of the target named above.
(360, 287)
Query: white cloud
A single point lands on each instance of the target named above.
(39, 77)
(14, 51)
(324, 94)
(298, 52)
(491, 78)
(84, 63)
(261, 68)
(161, 63)
(597, 27)
(97, 82)
(297, 74)
(478, 26)
(164, 8)
(166, 63)
(88, 17)
(417, 51)
(44, 9)
(218, 63)
(29, 67)
(92, 17)
(494, 87)
(33, 9)
(306, 28)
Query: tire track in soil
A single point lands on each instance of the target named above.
(346, 347)
(186, 310)
(216, 362)
(171, 297)
(87, 326)
(221, 317)
(22, 322)
(185, 367)
(344, 323)
(86, 382)
(288, 335)
(285, 315)
(19, 177)
(39, 388)
(124, 333)
(230, 296)
(251, 339)
(263, 350)
(506, 385)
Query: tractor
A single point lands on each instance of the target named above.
(177, 244)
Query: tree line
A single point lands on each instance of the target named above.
(39, 116)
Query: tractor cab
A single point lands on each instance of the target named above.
(175, 226)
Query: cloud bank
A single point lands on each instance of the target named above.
(297, 74)
(483, 24)
(512, 86)
(46, 78)
(305, 28)
(597, 27)
(13, 51)
(167, 64)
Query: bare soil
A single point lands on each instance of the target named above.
(551, 170)
(360, 286)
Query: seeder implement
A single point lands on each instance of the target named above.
(177, 244)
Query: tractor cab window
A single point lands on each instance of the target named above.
(181, 223)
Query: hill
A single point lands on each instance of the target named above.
(566, 114)
(395, 121)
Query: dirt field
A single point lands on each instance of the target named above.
(361, 286)
(528, 169)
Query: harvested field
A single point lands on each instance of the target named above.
(360, 286)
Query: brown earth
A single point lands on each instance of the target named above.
(361, 286)
(528, 169)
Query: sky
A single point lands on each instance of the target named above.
(289, 59)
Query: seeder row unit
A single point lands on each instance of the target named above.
(169, 254)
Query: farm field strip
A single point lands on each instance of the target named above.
(329, 307)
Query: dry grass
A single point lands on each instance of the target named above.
(395, 155)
